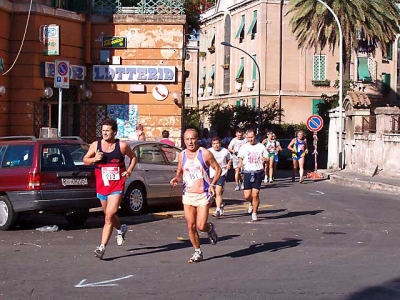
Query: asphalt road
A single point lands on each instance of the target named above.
(313, 241)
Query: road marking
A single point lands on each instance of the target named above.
(101, 283)
(234, 208)
(318, 193)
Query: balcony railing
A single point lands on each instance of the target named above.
(395, 124)
(143, 7)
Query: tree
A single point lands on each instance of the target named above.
(375, 21)
(228, 117)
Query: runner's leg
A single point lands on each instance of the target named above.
(191, 215)
(111, 220)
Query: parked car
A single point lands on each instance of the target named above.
(149, 183)
(43, 174)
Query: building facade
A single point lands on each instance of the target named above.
(296, 79)
(124, 62)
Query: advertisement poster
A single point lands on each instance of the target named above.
(126, 117)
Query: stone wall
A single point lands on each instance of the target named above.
(368, 152)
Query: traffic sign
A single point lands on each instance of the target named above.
(314, 123)
(61, 78)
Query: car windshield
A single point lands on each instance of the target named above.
(62, 156)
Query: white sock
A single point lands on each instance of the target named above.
(102, 246)
(197, 250)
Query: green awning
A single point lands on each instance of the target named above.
(212, 39)
(252, 23)
(363, 71)
(212, 71)
(240, 27)
(204, 73)
(240, 71)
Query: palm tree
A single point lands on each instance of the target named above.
(376, 21)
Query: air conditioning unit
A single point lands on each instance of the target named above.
(250, 84)
(238, 86)
(116, 60)
(48, 132)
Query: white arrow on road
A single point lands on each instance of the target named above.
(318, 193)
(101, 283)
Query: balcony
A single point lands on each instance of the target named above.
(142, 7)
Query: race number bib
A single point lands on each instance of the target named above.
(110, 173)
(301, 147)
(193, 175)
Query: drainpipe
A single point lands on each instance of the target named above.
(280, 59)
(88, 31)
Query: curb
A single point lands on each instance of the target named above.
(368, 185)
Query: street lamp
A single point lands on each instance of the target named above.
(340, 82)
(259, 86)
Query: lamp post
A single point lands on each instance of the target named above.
(259, 86)
(340, 82)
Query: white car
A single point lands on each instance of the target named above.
(149, 183)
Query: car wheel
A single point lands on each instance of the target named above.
(77, 217)
(135, 200)
(8, 217)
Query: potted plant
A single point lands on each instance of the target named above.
(211, 49)
(202, 54)
(240, 80)
(211, 84)
(225, 66)
(203, 86)
(325, 82)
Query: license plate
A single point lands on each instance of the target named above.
(74, 181)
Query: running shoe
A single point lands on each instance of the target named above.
(242, 186)
(121, 235)
(221, 210)
(250, 209)
(212, 235)
(265, 179)
(271, 181)
(237, 188)
(217, 213)
(254, 217)
(196, 257)
(301, 180)
(99, 252)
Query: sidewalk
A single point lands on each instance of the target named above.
(353, 179)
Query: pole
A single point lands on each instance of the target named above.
(340, 83)
(259, 86)
(59, 111)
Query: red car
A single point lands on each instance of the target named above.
(43, 174)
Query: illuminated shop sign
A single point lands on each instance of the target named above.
(134, 73)
(114, 42)
(75, 72)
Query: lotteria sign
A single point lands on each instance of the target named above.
(134, 73)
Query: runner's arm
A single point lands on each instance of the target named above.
(178, 175)
(290, 146)
(127, 151)
(90, 156)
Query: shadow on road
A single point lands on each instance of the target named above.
(387, 291)
(261, 247)
(293, 214)
(169, 247)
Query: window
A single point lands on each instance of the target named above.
(315, 106)
(212, 72)
(17, 156)
(240, 32)
(253, 26)
(188, 87)
(388, 54)
(212, 39)
(254, 71)
(171, 153)
(253, 102)
(240, 73)
(151, 154)
(319, 67)
(2, 151)
(62, 156)
(363, 70)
